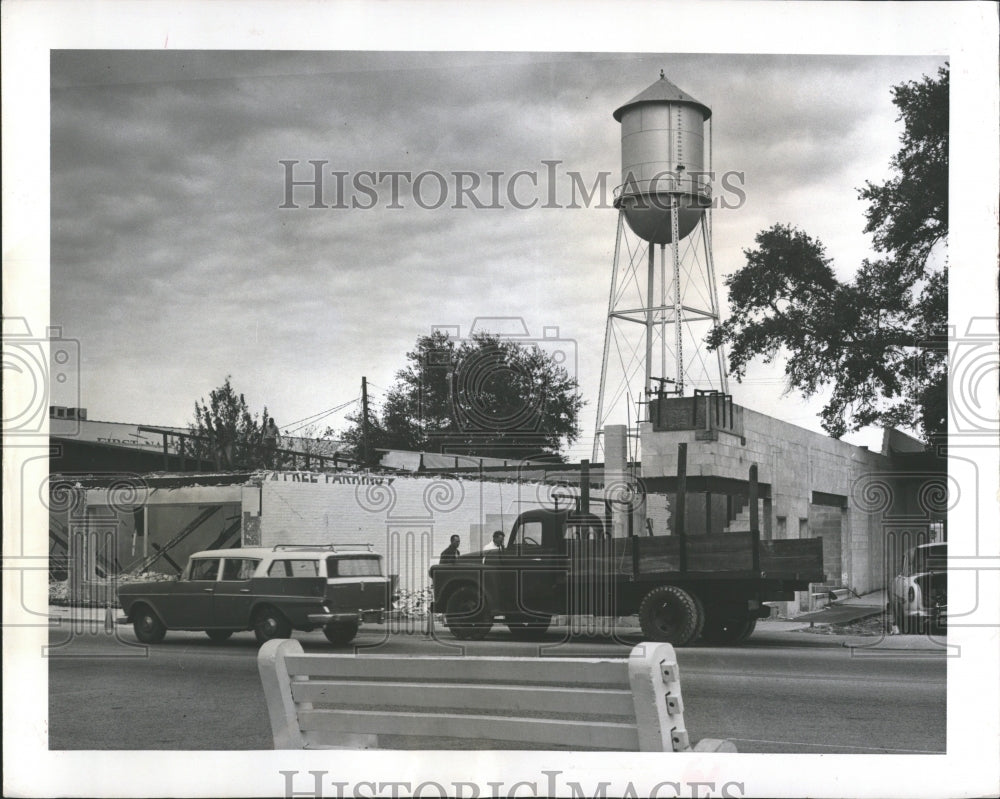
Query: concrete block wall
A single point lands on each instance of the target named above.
(825, 523)
(795, 462)
(408, 520)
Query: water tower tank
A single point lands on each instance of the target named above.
(663, 145)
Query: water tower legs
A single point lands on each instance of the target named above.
(667, 311)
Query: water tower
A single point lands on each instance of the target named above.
(660, 313)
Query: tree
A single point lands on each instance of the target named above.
(227, 433)
(878, 340)
(485, 396)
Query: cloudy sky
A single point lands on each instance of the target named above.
(174, 265)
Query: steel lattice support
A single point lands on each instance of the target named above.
(657, 322)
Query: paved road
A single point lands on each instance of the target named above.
(779, 693)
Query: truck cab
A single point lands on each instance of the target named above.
(548, 557)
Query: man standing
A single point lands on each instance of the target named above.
(271, 437)
(496, 543)
(450, 555)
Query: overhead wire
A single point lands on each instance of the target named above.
(317, 417)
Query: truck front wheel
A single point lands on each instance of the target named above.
(669, 613)
(467, 614)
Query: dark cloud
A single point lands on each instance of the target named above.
(173, 263)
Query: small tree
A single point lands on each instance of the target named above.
(227, 434)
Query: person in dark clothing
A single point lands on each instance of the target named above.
(450, 555)
(271, 437)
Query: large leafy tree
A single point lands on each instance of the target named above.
(225, 432)
(484, 396)
(876, 341)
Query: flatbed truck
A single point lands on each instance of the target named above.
(683, 588)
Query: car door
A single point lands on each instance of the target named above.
(233, 598)
(592, 567)
(541, 568)
(191, 604)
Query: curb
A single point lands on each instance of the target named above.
(899, 643)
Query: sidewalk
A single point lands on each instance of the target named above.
(856, 608)
(63, 614)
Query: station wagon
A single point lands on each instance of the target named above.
(270, 591)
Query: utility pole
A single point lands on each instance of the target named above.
(364, 421)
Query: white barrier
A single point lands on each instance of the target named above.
(348, 701)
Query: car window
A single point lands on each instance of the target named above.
(294, 567)
(204, 568)
(239, 568)
(368, 566)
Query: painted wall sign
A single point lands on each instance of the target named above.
(332, 479)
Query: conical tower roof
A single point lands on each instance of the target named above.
(662, 91)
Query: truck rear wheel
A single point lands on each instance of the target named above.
(467, 614)
(671, 614)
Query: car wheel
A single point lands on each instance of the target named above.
(467, 615)
(268, 623)
(219, 635)
(747, 630)
(147, 625)
(340, 632)
(669, 613)
(529, 626)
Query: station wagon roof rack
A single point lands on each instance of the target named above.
(329, 547)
